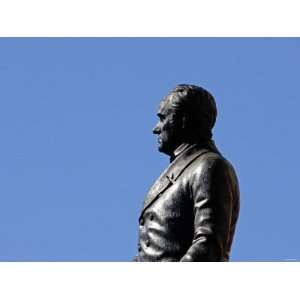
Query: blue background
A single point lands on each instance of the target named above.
(77, 154)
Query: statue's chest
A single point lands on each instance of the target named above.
(173, 203)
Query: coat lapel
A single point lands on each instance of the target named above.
(169, 176)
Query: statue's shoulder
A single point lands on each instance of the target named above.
(211, 161)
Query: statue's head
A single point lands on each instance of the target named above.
(186, 115)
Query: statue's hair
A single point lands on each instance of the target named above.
(197, 106)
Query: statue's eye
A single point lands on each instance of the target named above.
(161, 117)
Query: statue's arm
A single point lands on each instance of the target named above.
(135, 259)
(211, 192)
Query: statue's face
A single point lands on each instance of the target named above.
(168, 127)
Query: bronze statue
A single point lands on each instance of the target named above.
(190, 212)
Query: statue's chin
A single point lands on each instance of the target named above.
(163, 150)
(160, 148)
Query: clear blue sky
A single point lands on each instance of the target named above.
(77, 154)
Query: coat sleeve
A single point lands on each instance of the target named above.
(211, 190)
(135, 259)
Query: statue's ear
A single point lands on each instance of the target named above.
(184, 122)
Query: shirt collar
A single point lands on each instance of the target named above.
(179, 150)
(184, 146)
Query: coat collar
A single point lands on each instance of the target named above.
(176, 167)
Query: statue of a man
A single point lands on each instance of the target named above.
(190, 212)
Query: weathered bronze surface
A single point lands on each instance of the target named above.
(190, 212)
